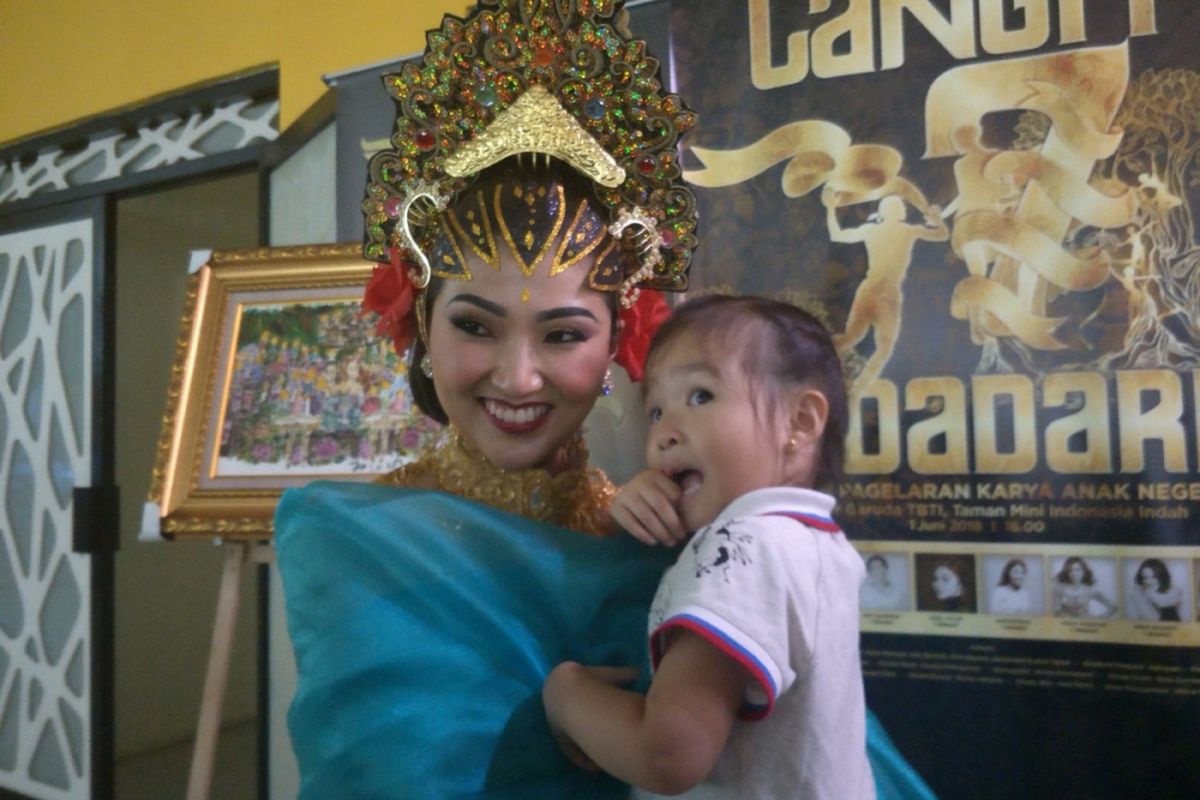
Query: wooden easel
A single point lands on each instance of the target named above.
(204, 754)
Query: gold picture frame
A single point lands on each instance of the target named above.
(278, 379)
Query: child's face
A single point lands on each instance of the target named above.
(707, 432)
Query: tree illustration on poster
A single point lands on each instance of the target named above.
(993, 205)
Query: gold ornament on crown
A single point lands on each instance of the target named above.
(536, 123)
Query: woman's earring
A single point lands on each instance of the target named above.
(792, 444)
(427, 365)
(606, 388)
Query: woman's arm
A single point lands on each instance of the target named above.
(1142, 602)
(836, 232)
(1171, 598)
(935, 230)
(1056, 600)
(1104, 600)
(666, 741)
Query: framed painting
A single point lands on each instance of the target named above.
(278, 379)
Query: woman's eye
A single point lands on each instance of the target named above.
(471, 327)
(655, 414)
(565, 336)
(699, 397)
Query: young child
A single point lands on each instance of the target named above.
(757, 689)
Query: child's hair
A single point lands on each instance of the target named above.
(780, 346)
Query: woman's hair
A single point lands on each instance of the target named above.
(575, 187)
(877, 559)
(421, 384)
(1161, 574)
(778, 347)
(1006, 573)
(1064, 574)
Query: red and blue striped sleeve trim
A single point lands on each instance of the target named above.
(811, 520)
(730, 647)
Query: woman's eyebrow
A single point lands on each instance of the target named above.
(476, 300)
(565, 311)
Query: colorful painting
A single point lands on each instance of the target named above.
(312, 390)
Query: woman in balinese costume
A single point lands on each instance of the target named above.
(531, 194)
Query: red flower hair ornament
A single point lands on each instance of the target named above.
(390, 294)
(639, 323)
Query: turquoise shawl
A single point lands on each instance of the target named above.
(424, 626)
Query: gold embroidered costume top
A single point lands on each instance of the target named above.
(578, 497)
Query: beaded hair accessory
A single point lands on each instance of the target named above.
(556, 77)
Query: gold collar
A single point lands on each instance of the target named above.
(578, 497)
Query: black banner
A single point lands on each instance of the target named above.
(991, 205)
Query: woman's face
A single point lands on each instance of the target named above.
(1016, 576)
(1146, 577)
(1075, 572)
(878, 571)
(946, 583)
(518, 361)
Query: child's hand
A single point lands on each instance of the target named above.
(645, 508)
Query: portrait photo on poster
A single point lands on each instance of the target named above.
(1084, 587)
(1015, 585)
(1156, 589)
(887, 586)
(945, 582)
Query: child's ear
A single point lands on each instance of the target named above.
(808, 410)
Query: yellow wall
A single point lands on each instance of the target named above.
(63, 60)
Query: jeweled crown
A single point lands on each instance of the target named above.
(557, 77)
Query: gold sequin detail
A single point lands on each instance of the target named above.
(478, 235)
(528, 263)
(578, 241)
(578, 498)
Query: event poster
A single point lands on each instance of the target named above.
(991, 204)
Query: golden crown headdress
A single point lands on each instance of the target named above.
(556, 77)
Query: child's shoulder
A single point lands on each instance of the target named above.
(807, 506)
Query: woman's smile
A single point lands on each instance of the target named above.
(516, 419)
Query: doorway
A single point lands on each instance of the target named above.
(165, 592)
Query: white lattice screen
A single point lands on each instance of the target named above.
(232, 124)
(46, 308)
